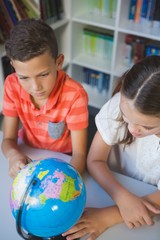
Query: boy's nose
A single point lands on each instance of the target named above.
(35, 85)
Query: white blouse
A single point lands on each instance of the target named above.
(140, 159)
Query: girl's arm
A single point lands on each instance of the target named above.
(95, 221)
(134, 210)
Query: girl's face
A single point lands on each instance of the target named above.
(38, 75)
(139, 125)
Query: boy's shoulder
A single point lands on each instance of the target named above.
(12, 81)
(72, 84)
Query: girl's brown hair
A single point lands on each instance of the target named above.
(141, 84)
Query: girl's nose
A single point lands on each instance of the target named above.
(133, 128)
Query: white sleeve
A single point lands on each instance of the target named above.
(107, 123)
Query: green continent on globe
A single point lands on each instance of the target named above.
(58, 186)
(69, 192)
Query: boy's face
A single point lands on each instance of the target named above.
(38, 75)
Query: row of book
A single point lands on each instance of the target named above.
(12, 11)
(96, 79)
(106, 8)
(145, 12)
(98, 44)
(51, 10)
(135, 48)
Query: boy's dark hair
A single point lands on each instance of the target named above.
(31, 38)
(141, 84)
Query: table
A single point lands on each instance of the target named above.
(96, 197)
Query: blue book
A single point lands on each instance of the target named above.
(11, 11)
(150, 10)
(144, 9)
(152, 50)
(132, 9)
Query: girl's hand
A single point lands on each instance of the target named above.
(93, 222)
(136, 211)
(16, 162)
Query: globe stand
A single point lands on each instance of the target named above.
(20, 230)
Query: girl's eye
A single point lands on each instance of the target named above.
(147, 128)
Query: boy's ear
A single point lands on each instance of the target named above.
(11, 63)
(59, 61)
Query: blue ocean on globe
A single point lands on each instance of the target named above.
(54, 197)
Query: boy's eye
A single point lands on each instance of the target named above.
(22, 78)
(44, 74)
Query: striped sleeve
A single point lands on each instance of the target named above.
(9, 98)
(78, 116)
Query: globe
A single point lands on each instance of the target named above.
(51, 196)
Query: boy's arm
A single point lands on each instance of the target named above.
(9, 146)
(79, 149)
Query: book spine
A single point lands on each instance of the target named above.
(132, 9)
(138, 11)
(144, 11)
(156, 15)
(11, 11)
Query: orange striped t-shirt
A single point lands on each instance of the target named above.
(48, 127)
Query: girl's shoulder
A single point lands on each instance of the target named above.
(111, 108)
(107, 121)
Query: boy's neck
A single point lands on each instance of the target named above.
(38, 103)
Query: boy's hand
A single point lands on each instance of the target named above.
(16, 162)
(136, 211)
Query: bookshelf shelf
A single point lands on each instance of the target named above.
(139, 30)
(101, 65)
(59, 23)
(96, 21)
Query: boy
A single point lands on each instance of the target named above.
(52, 107)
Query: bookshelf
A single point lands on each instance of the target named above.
(80, 15)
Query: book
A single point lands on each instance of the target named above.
(16, 10)
(152, 50)
(6, 14)
(138, 51)
(138, 11)
(132, 9)
(144, 9)
(60, 9)
(43, 11)
(11, 11)
(30, 10)
(51, 11)
(4, 25)
(150, 10)
(21, 8)
(156, 15)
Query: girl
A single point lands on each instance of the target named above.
(130, 121)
